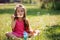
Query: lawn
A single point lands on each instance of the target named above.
(47, 21)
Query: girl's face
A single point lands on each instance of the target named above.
(20, 12)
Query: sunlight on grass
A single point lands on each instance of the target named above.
(36, 22)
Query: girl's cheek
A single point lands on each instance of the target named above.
(23, 13)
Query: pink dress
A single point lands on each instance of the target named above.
(19, 28)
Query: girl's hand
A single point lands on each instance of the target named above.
(12, 17)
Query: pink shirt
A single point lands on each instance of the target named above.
(19, 28)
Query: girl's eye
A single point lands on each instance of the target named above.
(22, 11)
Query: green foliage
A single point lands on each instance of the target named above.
(57, 5)
(53, 4)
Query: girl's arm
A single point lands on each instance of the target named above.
(30, 28)
(13, 22)
(31, 31)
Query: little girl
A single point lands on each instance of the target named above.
(20, 24)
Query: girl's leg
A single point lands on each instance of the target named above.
(36, 32)
(10, 35)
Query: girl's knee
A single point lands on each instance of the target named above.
(7, 34)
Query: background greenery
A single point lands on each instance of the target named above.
(46, 20)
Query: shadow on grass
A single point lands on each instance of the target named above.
(32, 11)
(53, 32)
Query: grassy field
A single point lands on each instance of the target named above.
(47, 21)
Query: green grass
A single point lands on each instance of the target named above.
(47, 21)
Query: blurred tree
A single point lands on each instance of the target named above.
(30, 1)
(57, 4)
(50, 4)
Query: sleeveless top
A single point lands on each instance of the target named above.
(19, 28)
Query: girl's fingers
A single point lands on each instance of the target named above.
(12, 17)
